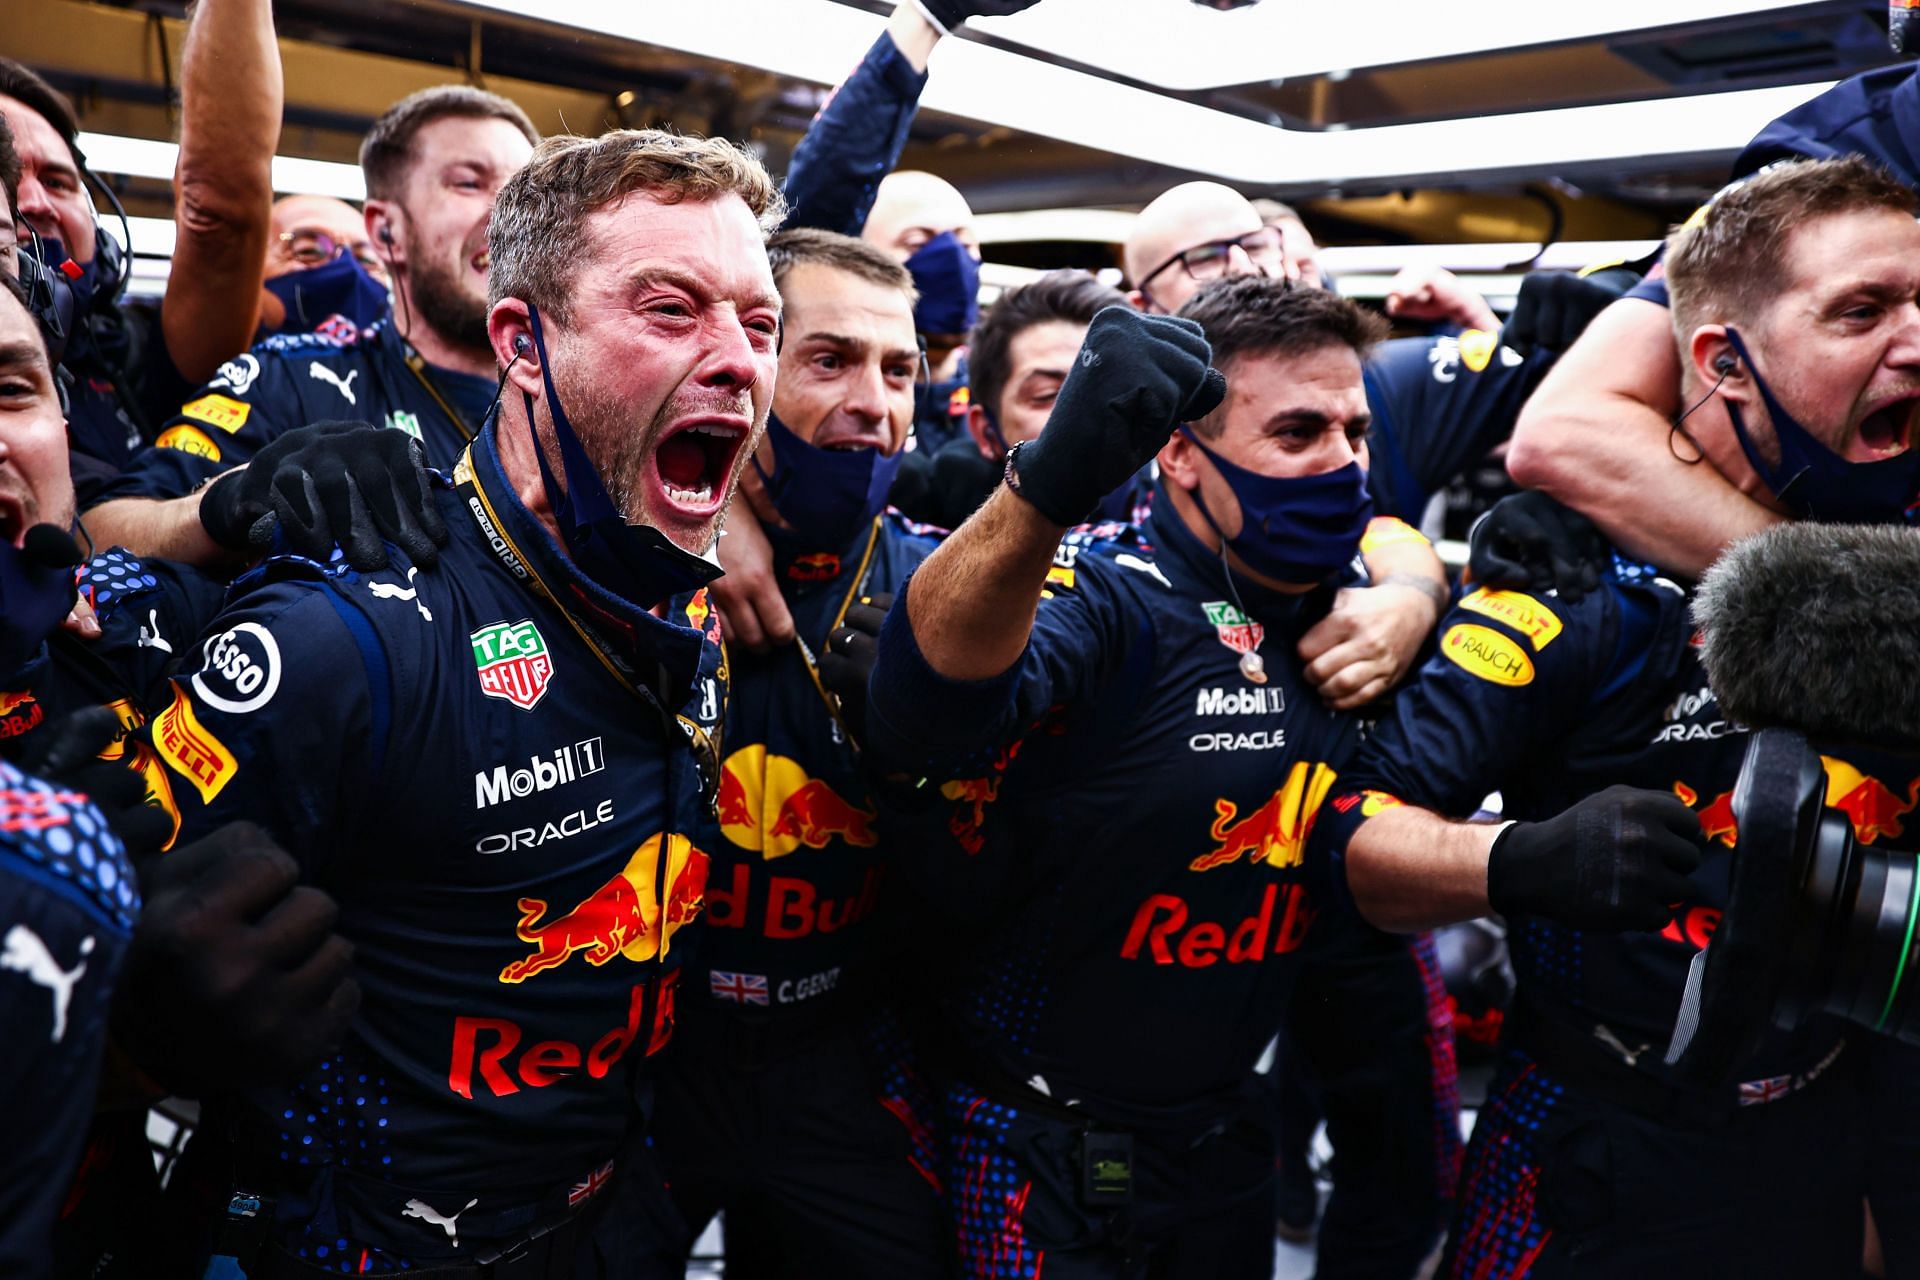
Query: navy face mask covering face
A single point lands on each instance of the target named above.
(827, 495)
(314, 295)
(948, 280)
(636, 562)
(1292, 528)
(36, 592)
(1813, 480)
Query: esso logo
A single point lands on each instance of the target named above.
(241, 672)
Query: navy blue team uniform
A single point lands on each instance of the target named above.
(1440, 405)
(68, 900)
(1123, 879)
(791, 1100)
(293, 380)
(489, 769)
(1587, 1160)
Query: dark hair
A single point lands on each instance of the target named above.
(1261, 315)
(1729, 259)
(1067, 294)
(800, 246)
(387, 151)
(22, 83)
(9, 171)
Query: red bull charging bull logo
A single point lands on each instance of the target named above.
(1875, 810)
(1275, 833)
(770, 805)
(623, 917)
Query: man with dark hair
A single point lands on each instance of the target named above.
(439, 157)
(504, 770)
(1121, 941)
(132, 369)
(1594, 721)
(790, 1103)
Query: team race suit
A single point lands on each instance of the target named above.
(1586, 1160)
(68, 900)
(1127, 891)
(486, 767)
(790, 1100)
(294, 380)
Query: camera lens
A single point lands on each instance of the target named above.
(1851, 950)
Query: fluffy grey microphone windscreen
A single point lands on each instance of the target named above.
(1817, 627)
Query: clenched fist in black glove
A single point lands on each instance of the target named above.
(1529, 542)
(332, 482)
(948, 14)
(1553, 308)
(1137, 377)
(235, 976)
(67, 752)
(851, 652)
(1617, 860)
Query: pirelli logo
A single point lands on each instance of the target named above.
(191, 751)
(216, 410)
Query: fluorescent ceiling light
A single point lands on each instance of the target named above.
(1181, 46)
(1100, 226)
(1567, 255)
(821, 41)
(142, 158)
(152, 237)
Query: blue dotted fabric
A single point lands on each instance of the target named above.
(987, 1190)
(112, 577)
(60, 832)
(1496, 1233)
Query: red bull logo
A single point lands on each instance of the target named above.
(1164, 928)
(19, 713)
(971, 796)
(1716, 820)
(483, 1050)
(770, 805)
(623, 917)
(1275, 833)
(818, 567)
(1875, 809)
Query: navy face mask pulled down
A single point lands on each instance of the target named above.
(636, 562)
(36, 592)
(1296, 529)
(827, 495)
(1815, 482)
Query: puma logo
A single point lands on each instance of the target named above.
(26, 953)
(320, 371)
(150, 637)
(447, 1222)
(1148, 567)
(387, 591)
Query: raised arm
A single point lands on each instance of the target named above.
(1597, 435)
(230, 101)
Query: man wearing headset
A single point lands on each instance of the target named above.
(130, 368)
(433, 164)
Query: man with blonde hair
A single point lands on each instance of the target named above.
(503, 770)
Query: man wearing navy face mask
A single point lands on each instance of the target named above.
(1129, 766)
(323, 273)
(789, 1101)
(506, 767)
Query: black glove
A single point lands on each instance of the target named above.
(67, 752)
(1529, 542)
(36, 591)
(1617, 860)
(332, 482)
(851, 652)
(235, 977)
(1554, 308)
(948, 14)
(1136, 379)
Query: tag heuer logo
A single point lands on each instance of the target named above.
(1236, 631)
(513, 662)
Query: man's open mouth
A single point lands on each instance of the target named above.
(13, 520)
(1888, 430)
(695, 460)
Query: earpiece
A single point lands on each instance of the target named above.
(522, 344)
(1725, 363)
(386, 234)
